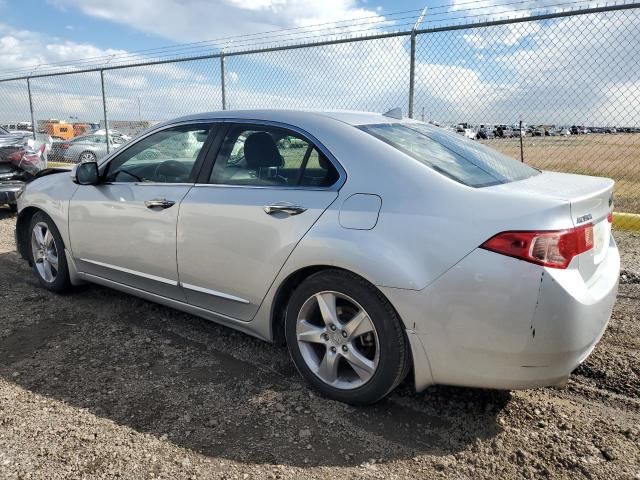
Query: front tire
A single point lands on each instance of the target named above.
(48, 258)
(345, 338)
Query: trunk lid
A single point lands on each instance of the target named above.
(590, 200)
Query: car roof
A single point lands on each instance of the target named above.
(294, 117)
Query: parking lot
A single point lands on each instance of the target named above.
(100, 384)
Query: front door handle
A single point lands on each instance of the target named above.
(159, 203)
(284, 207)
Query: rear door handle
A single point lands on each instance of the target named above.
(284, 207)
(159, 203)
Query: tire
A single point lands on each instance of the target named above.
(55, 277)
(13, 207)
(87, 156)
(359, 362)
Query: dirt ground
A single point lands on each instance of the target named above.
(98, 384)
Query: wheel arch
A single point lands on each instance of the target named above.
(289, 284)
(22, 229)
(282, 295)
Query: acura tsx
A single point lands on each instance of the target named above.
(372, 245)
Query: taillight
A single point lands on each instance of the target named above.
(610, 217)
(23, 156)
(16, 156)
(548, 248)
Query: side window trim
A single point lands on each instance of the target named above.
(197, 166)
(221, 130)
(305, 161)
(203, 178)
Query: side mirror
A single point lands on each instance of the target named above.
(86, 173)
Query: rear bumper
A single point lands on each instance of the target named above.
(497, 322)
(8, 191)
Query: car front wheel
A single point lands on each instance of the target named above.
(47, 254)
(345, 338)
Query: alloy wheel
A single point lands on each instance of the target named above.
(337, 340)
(87, 157)
(45, 252)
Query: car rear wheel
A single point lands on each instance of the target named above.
(345, 338)
(87, 157)
(47, 254)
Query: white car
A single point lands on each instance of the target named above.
(379, 247)
(467, 132)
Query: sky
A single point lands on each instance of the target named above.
(578, 70)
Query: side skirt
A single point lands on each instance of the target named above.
(245, 327)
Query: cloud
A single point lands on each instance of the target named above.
(196, 20)
(21, 48)
(576, 70)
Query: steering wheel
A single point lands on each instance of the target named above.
(170, 169)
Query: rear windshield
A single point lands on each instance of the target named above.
(465, 161)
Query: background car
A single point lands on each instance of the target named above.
(466, 132)
(21, 158)
(112, 133)
(85, 148)
(485, 134)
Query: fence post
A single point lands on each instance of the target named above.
(33, 122)
(104, 110)
(222, 81)
(412, 62)
(412, 72)
(521, 144)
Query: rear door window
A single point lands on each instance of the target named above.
(460, 159)
(271, 156)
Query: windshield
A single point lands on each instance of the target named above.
(460, 159)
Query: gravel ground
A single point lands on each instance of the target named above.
(99, 384)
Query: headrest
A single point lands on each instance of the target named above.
(260, 151)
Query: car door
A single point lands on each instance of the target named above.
(244, 217)
(124, 228)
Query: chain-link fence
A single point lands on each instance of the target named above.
(559, 90)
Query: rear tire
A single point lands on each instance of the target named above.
(47, 254)
(345, 338)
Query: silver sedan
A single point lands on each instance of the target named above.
(86, 148)
(373, 246)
